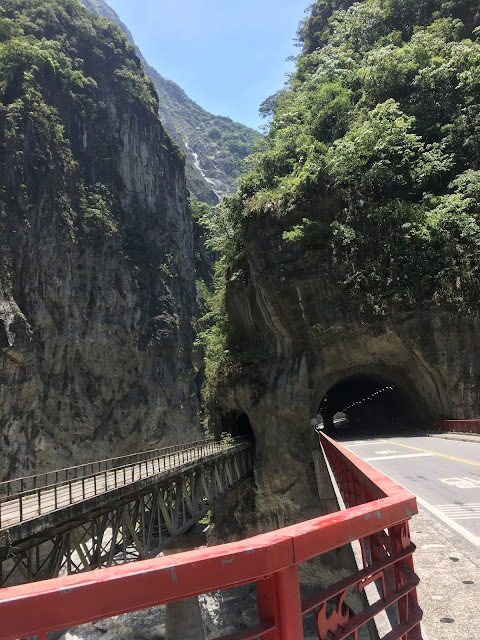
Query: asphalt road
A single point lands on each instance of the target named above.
(444, 474)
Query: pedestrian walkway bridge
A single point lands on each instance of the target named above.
(111, 511)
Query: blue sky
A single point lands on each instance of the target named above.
(226, 55)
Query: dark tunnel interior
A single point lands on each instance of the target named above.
(238, 425)
(368, 404)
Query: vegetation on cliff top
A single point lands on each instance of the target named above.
(55, 61)
(372, 160)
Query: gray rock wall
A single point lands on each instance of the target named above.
(96, 325)
(299, 336)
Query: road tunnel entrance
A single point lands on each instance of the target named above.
(367, 403)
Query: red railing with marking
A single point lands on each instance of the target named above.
(377, 516)
(453, 426)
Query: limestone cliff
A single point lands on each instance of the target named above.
(354, 243)
(214, 146)
(300, 337)
(97, 286)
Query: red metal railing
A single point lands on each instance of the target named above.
(454, 426)
(377, 516)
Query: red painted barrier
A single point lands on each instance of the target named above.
(377, 516)
(453, 426)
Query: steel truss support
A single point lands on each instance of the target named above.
(138, 527)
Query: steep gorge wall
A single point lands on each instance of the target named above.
(214, 146)
(97, 292)
(354, 246)
(299, 335)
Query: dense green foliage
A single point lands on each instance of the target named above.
(56, 62)
(214, 330)
(372, 160)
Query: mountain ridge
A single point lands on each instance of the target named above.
(215, 146)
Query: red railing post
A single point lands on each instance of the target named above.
(400, 536)
(278, 599)
(289, 604)
(266, 605)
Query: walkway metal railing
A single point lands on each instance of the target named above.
(453, 426)
(27, 483)
(377, 516)
(27, 498)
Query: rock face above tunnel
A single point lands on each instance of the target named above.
(354, 253)
(97, 289)
(300, 336)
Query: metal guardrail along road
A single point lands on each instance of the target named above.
(452, 426)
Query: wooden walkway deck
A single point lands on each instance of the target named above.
(38, 501)
(112, 511)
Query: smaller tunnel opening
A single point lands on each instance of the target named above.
(368, 404)
(238, 424)
(340, 419)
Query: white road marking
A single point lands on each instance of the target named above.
(459, 507)
(386, 451)
(464, 504)
(434, 546)
(362, 443)
(451, 523)
(459, 511)
(401, 455)
(462, 483)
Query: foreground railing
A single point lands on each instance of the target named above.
(28, 498)
(453, 426)
(377, 516)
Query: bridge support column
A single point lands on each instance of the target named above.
(183, 619)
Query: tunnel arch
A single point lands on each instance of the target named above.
(374, 399)
(370, 403)
(237, 424)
